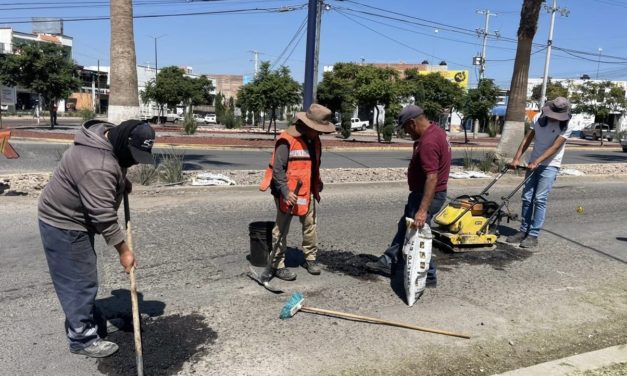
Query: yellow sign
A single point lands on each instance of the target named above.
(460, 77)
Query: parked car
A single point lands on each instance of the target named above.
(594, 131)
(356, 125)
(623, 142)
(210, 118)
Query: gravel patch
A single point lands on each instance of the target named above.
(31, 184)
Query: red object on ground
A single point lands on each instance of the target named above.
(5, 147)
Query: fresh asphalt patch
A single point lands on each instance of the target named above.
(168, 342)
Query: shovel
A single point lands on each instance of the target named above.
(139, 357)
(264, 278)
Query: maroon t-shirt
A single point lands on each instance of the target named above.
(432, 154)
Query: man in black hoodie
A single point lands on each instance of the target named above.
(81, 200)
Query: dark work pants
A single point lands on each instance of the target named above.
(393, 254)
(73, 269)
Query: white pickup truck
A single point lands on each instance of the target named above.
(356, 125)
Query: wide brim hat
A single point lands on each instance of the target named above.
(317, 118)
(558, 109)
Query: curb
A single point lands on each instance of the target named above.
(582, 362)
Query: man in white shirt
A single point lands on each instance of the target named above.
(549, 134)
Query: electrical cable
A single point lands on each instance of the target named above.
(396, 40)
(289, 44)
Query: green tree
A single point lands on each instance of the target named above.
(219, 107)
(270, 91)
(174, 88)
(478, 102)
(376, 86)
(553, 90)
(599, 99)
(249, 100)
(514, 128)
(44, 68)
(434, 93)
(336, 91)
(123, 97)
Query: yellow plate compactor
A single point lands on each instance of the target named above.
(471, 223)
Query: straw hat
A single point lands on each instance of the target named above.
(317, 118)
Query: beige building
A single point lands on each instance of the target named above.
(227, 84)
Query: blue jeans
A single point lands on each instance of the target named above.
(534, 199)
(72, 263)
(393, 254)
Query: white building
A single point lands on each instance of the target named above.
(17, 98)
(579, 121)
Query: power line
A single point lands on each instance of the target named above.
(447, 27)
(302, 34)
(396, 40)
(289, 44)
(207, 13)
(369, 19)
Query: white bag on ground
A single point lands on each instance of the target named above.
(212, 179)
(417, 253)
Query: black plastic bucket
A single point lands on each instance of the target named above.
(260, 242)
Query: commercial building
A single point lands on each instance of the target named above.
(17, 98)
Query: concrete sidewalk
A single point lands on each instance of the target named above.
(577, 363)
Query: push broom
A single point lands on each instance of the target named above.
(295, 304)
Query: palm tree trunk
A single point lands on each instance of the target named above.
(514, 129)
(124, 99)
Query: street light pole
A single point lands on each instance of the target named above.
(156, 38)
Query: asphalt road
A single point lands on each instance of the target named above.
(44, 156)
(520, 307)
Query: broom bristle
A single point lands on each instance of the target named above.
(292, 306)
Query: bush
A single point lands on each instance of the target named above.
(469, 163)
(86, 114)
(618, 136)
(492, 129)
(487, 163)
(190, 124)
(171, 168)
(388, 132)
(230, 121)
(143, 174)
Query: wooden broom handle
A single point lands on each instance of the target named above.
(139, 358)
(379, 321)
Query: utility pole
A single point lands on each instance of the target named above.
(255, 59)
(317, 48)
(599, 63)
(484, 33)
(308, 96)
(549, 45)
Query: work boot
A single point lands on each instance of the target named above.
(516, 238)
(285, 274)
(312, 267)
(529, 242)
(381, 266)
(98, 349)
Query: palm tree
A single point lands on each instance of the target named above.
(123, 97)
(514, 128)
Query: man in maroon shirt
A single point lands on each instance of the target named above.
(427, 177)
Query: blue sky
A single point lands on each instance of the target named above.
(220, 43)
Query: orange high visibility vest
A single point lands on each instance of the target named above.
(298, 168)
